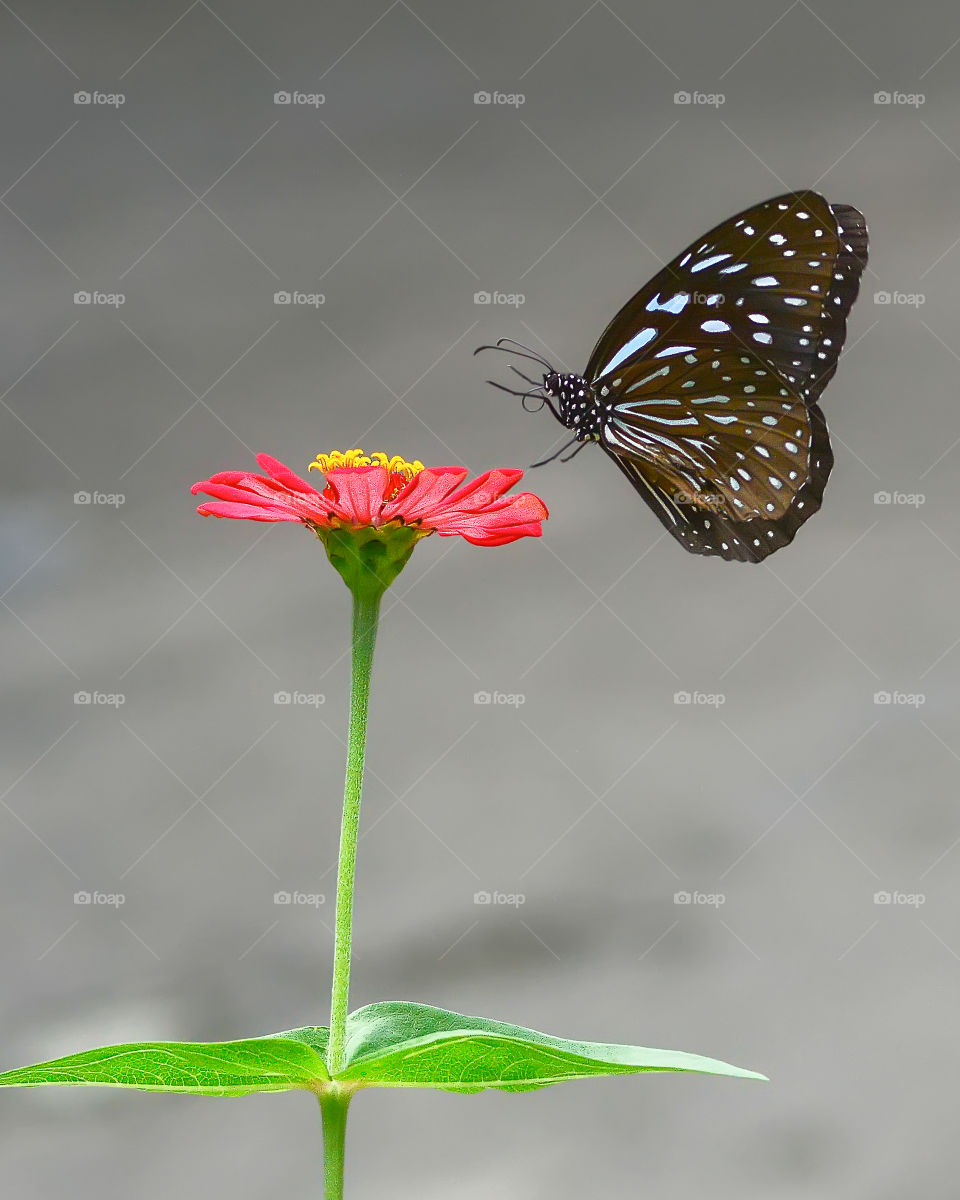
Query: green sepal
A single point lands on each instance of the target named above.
(370, 558)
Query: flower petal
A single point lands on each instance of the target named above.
(487, 488)
(504, 521)
(259, 494)
(249, 512)
(424, 493)
(512, 534)
(244, 495)
(357, 493)
(282, 474)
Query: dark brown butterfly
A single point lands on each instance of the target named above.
(703, 389)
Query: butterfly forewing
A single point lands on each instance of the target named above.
(776, 280)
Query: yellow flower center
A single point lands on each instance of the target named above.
(356, 458)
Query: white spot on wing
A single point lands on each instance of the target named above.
(708, 262)
(676, 304)
(637, 342)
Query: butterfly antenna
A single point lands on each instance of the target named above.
(523, 352)
(528, 350)
(525, 378)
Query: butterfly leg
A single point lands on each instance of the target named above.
(575, 452)
(543, 462)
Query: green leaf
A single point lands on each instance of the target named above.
(390, 1044)
(397, 1044)
(271, 1064)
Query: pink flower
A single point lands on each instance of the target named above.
(378, 493)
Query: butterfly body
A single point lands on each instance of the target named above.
(703, 389)
(576, 405)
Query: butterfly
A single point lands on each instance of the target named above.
(703, 389)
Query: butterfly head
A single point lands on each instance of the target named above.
(575, 404)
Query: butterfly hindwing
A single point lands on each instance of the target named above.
(727, 458)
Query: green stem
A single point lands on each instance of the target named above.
(333, 1107)
(366, 609)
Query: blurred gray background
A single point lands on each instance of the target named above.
(599, 799)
